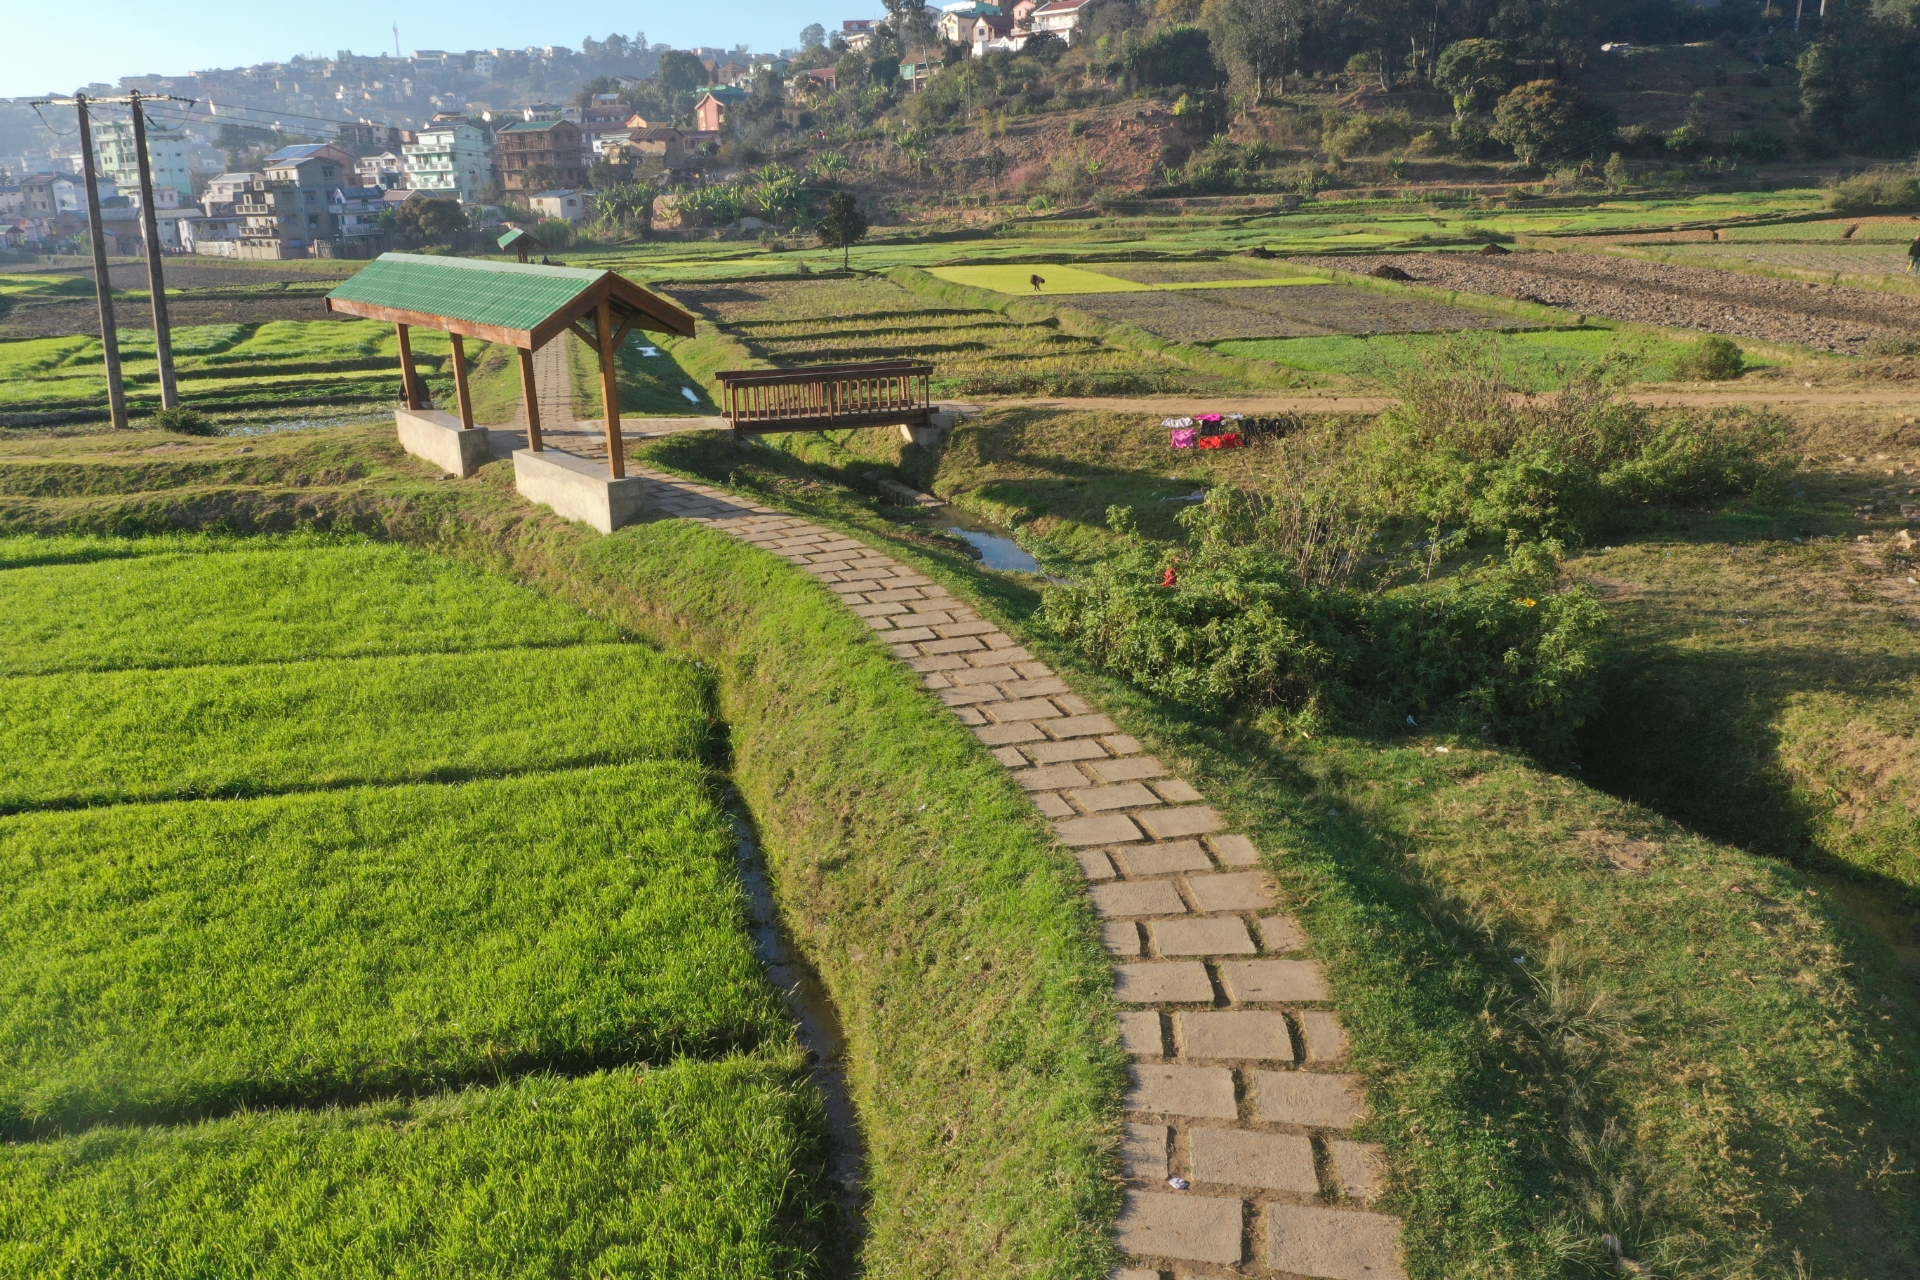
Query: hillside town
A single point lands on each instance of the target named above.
(473, 132)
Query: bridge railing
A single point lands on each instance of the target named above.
(882, 393)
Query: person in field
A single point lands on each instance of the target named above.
(1036, 281)
(1913, 256)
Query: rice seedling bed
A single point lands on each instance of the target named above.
(518, 1015)
(1851, 259)
(169, 961)
(1540, 360)
(686, 1170)
(91, 738)
(174, 604)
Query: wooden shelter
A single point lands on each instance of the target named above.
(522, 242)
(514, 304)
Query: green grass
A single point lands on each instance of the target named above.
(1536, 360)
(269, 603)
(953, 938)
(95, 738)
(1016, 278)
(1703, 1052)
(684, 1171)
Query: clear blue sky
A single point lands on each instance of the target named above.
(52, 47)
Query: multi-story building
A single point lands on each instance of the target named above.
(1061, 17)
(167, 156)
(288, 213)
(383, 170)
(551, 146)
(449, 158)
(218, 199)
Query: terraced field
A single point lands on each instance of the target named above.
(1287, 311)
(223, 366)
(975, 350)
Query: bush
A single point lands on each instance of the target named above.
(1257, 617)
(1712, 359)
(1875, 191)
(1545, 121)
(188, 422)
(1464, 457)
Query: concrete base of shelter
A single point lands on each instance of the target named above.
(438, 437)
(577, 488)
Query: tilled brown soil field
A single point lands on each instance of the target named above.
(1284, 311)
(1824, 316)
(57, 319)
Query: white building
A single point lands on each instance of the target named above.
(384, 170)
(448, 159)
(1061, 17)
(168, 155)
(569, 206)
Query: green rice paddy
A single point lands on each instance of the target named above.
(461, 985)
(1535, 360)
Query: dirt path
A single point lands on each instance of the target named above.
(1829, 317)
(1759, 397)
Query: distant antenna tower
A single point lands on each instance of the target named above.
(396, 39)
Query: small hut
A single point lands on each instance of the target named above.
(519, 305)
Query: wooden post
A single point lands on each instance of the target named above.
(460, 394)
(408, 392)
(156, 278)
(102, 285)
(610, 392)
(531, 395)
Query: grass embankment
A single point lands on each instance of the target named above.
(1577, 1015)
(218, 1013)
(953, 938)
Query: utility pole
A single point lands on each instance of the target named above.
(156, 282)
(102, 285)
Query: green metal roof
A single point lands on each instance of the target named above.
(510, 295)
(533, 126)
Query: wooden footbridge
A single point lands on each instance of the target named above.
(883, 393)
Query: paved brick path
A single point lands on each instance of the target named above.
(1237, 1083)
(1237, 1080)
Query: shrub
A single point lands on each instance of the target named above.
(188, 422)
(1712, 359)
(1259, 616)
(1875, 190)
(1462, 456)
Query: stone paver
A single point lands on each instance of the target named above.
(1171, 982)
(1309, 1099)
(1261, 981)
(1216, 937)
(1234, 1033)
(1161, 859)
(1172, 880)
(1333, 1245)
(1186, 1227)
(1237, 1157)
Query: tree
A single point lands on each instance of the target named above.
(911, 23)
(681, 72)
(812, 36)
(1545, 120)
(1174, 56)
(537, 177)
(1476, 73)
(843, 226)
(1256, 38)
(428, 218)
